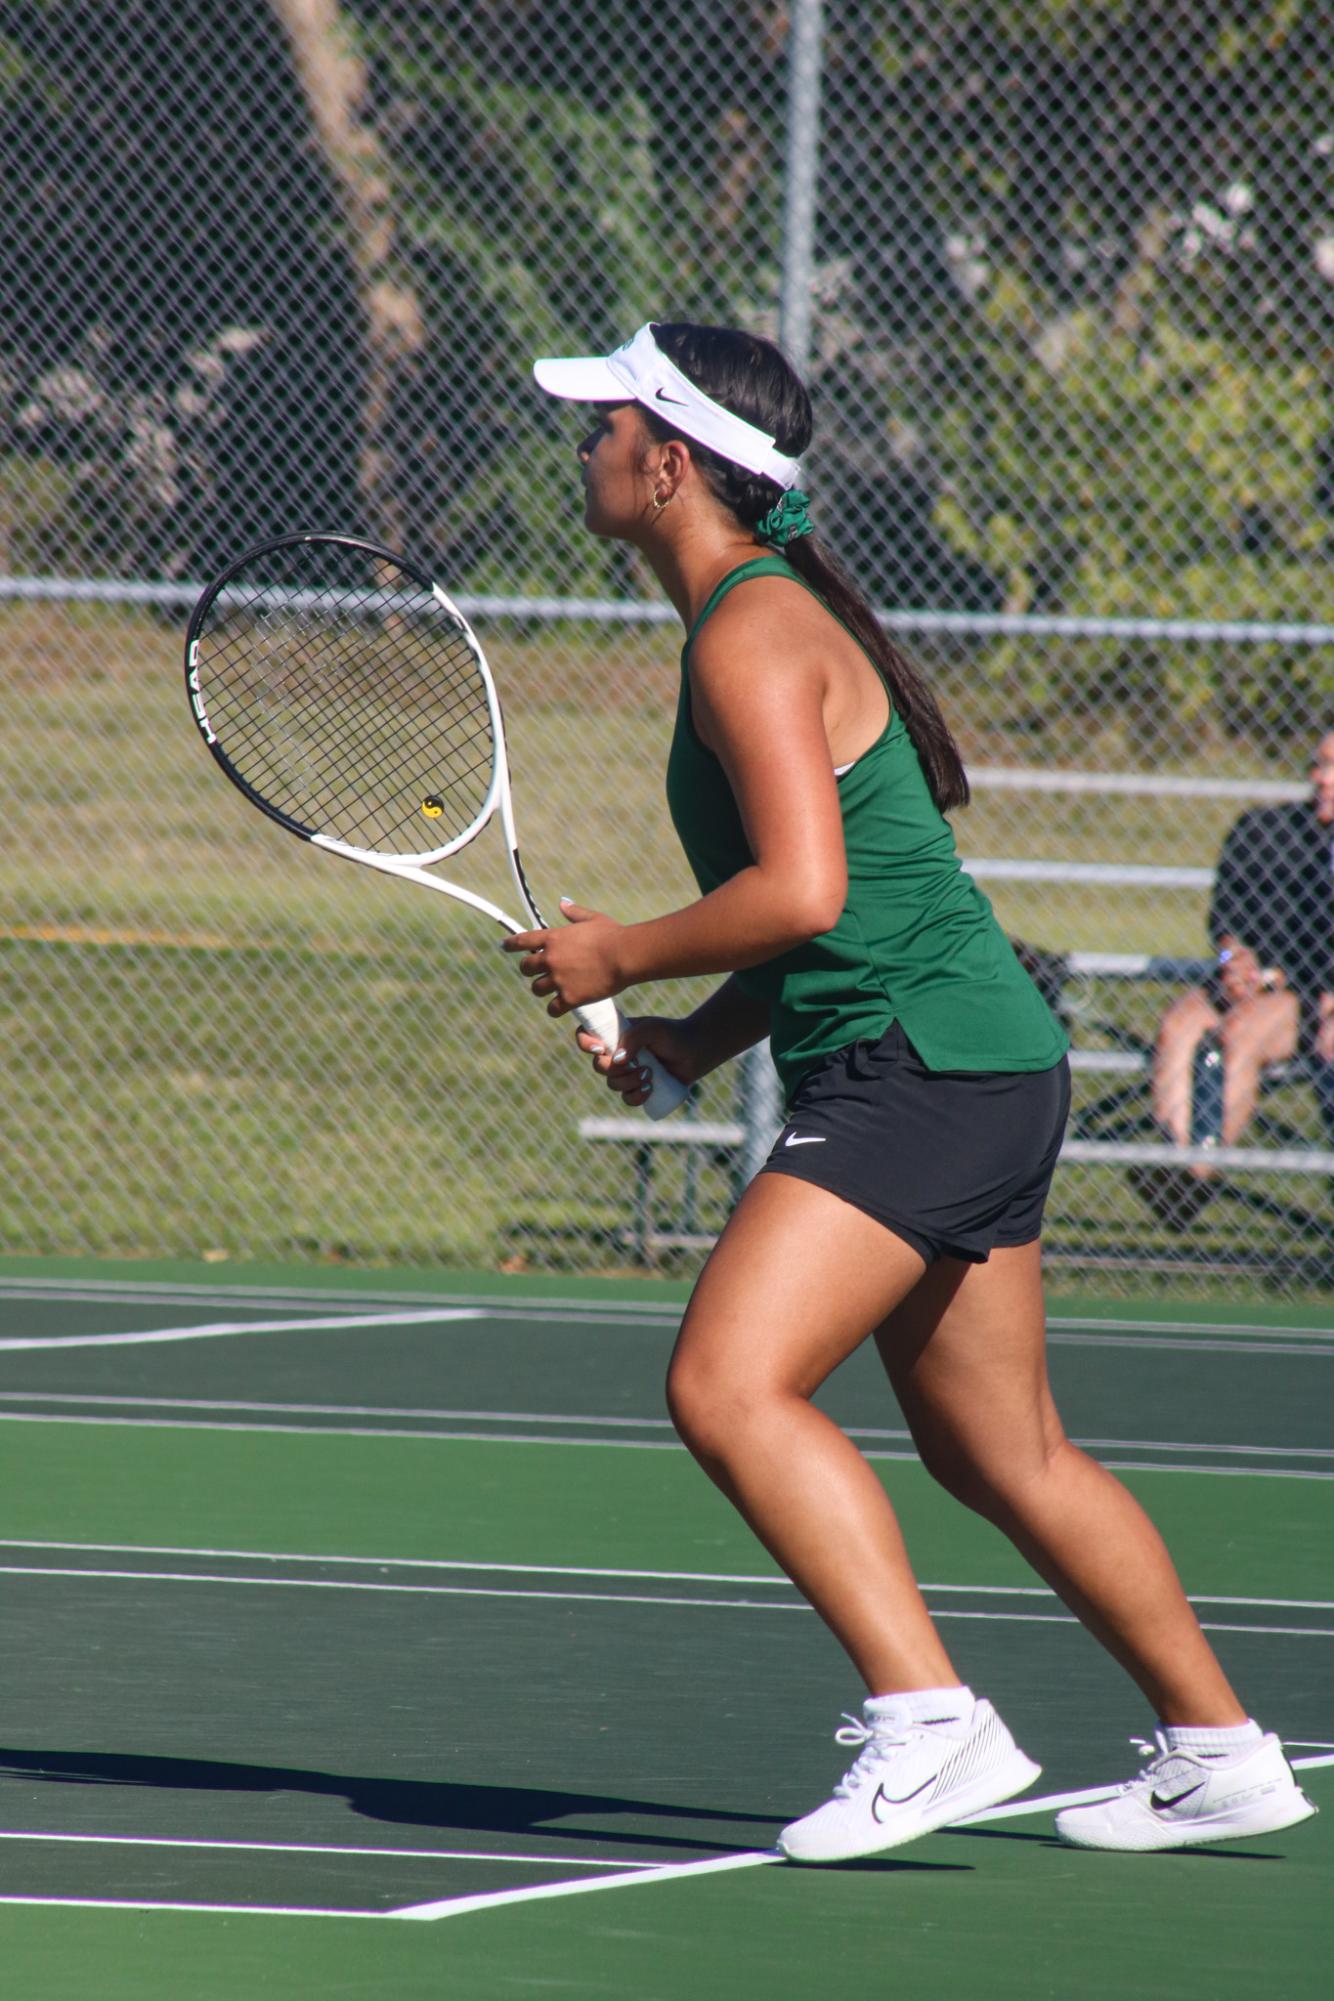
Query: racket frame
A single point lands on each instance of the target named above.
(603, 1019)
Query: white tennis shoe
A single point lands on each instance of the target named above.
(908, 1779)
(1182, 1799)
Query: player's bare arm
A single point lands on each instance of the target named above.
(762, 712)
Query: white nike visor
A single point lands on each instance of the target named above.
(639, 372)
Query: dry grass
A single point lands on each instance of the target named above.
(216, 1037)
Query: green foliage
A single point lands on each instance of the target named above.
(550, 177)
(1129, 412)
(554, 224)
(1061, 27)
(1155, 475)
(12, 69)
(1073, 334)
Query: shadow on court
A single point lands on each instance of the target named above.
(1228, 1854)
(403, 1802)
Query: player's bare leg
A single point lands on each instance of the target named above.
(796, 1282)
(798, 1279)
(966, 1354)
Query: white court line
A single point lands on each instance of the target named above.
(220, 1292)
(1291, 1632)
(624, 1309)
(366, 1431)
(623, 1312)
(103, 1401)
(622, 1878)
(577, 1597)
(451, 1563)
(1188, 1336)
(381, 1410)
(640, 1316)
(615, 1573)
(448, 1907)
(1312, 1350)
(396, 1590)
(1205, 1472)
(1052, 1802)
(1046, 1803)
(218, 1329)
(454, 1907)
(547, 1438)
(202, 1910)
(1184, 1445)
(319, 1848)
(1094, 1324)
(480, 1591)
(1272, 1604)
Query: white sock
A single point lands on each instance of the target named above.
(1212, 1743)
(921, 1705)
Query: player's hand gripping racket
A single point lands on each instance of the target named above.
(349, 699)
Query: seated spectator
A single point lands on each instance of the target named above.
(1272, 925)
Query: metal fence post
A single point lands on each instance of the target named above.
(801, 172)
(761, 1101)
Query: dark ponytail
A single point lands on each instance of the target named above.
(752, 378)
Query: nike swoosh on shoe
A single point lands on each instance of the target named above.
(898, 1799)
(1157, 1800)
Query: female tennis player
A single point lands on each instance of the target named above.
(927, 1089)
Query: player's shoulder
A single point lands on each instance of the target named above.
(769, 615)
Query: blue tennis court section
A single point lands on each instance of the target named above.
(373, 1634)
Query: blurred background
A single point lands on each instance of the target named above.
(1062, 279)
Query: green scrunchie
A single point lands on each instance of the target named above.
(786, 520)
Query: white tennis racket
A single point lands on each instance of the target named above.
(347, 696)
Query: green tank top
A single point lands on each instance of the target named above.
(917, 941)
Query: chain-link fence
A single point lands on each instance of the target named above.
(1062, 276)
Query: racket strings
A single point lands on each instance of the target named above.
(348, 736)
(357, 710)
(346, 733)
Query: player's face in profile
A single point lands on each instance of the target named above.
(616, 485)
(1322, 779)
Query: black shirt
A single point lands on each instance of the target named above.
(1274, 891)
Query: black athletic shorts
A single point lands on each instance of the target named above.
(955, 1162)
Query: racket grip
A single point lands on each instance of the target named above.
(665, 1091)
(603, 1019)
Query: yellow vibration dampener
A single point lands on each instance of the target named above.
(432, 807)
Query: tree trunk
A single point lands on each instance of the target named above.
(333, 79)
(1129, 307)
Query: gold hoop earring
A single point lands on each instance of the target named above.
(660, 501)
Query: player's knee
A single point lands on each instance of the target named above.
(992, 1489)
(713, 1406)
(952, 1469)
(699, 1402)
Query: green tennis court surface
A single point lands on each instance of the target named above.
(369, 1634)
